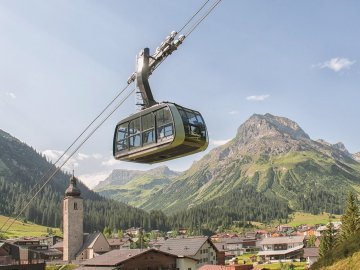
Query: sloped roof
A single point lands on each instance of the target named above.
(89, 241)
(282, 240)
(185, 246)
(278, 252)
(311, 252)
(118, 256)
(58, 245)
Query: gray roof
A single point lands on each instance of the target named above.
(184, 246)
(282, 240)
(278, 252)
(236, 240)
(58, 245)
(118, 256)
(311, 252)
(220, 246)
(89, 241)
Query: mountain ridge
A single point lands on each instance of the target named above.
(274, 154)
(22, 167)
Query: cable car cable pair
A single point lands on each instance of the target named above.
(161, 131)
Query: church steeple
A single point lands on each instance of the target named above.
(73, 218)
(73, 190)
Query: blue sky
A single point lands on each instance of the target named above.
(63, 61)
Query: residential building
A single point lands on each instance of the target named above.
(311, 255)
(237, 245)
(94, 244)
(279, 248)
(17, 258)
(146, 259)
(201, 249)
(284, 228)
(120, 243)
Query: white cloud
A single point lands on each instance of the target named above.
(81, 156)
(110, 162)
(336, 64)
(54, 155)
(233, 112)
(218, 142)
(97, 156)
(257, 97)
(91, 180)
(10, 94)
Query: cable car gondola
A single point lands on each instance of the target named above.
(160, 131)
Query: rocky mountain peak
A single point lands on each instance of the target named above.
(340, 146)
(269, 126)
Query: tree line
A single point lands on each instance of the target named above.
(335, 245)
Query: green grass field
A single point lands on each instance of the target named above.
(305, 218)
(277, 266)
(21, 229)
(61, 267)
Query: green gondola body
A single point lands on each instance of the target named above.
(159, 133)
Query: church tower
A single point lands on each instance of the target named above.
(73, 216)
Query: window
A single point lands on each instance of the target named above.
(164, 124)
(75, 206)
(134, 133)
(148, 128)
(193, 122)
(122, 137)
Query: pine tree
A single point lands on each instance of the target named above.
(328, 241)
(350, 219)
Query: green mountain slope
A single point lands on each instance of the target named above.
(135, 187)
(276, 157)
(21, 168)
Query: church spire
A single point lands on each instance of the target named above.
(73, 190)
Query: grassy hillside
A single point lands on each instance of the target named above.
(135, 192)
(350, 263)
(21, 229)
(299, 218)
(309, 181)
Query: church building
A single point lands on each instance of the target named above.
(76, 244)
(73, 221)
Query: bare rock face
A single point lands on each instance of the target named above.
(356, 156)
(269, 134)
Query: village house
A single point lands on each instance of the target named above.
(14, 257)
(140, 259)
(119, 243)
(94, 244)
(237, 245)
(284, 228)
(320, 230)
(36, 245)
(281, 248)
(201, 249)
(311, 255)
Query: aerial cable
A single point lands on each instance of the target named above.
(70, 156)
(193, 16)
(171, 44)
(204, 16)
(72, 144)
